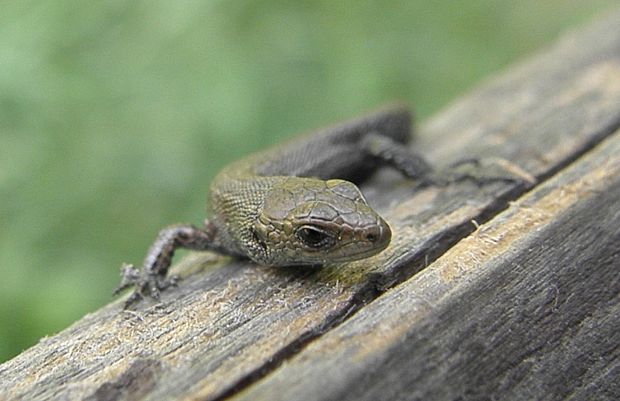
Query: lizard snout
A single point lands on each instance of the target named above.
(377, 236)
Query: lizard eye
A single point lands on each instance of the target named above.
(315, 237)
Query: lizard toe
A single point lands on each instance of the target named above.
(130, 276)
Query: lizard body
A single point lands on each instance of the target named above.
(294, 204)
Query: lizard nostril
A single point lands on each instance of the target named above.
(372, 237)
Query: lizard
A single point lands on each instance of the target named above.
(295, 204)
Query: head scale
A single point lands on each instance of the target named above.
(306, 221)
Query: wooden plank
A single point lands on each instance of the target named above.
(231, 322)
(527, 307)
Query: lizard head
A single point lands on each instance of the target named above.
(306, 221)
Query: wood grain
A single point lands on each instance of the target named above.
(230, 323)
(527, 307)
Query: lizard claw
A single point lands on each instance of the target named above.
(145, 284)
(480, 173)
(129, 276)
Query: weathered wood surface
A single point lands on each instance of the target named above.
(527, 307)
(230, 323)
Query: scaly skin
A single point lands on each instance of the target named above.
(292, 204)
(298, 221)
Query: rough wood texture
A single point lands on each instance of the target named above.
(527, 307)
(230, 323)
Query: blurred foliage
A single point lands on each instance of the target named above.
(115, 115)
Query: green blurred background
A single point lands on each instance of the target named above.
(115, 115)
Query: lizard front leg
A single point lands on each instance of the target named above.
(397, 155)
(153, 276)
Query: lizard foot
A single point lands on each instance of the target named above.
(481, 172)
(144, 284)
